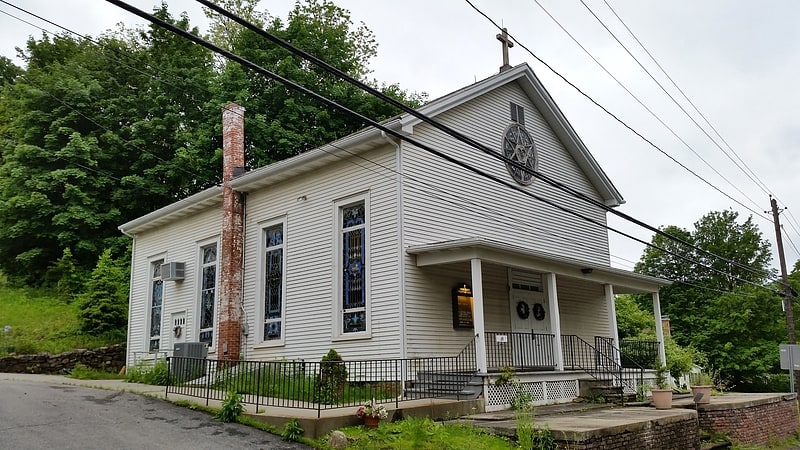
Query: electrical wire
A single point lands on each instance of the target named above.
(649, 142)
(294, 86)
(458, 135)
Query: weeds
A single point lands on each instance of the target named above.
(145, 372)
(232, 408)
(292, 431)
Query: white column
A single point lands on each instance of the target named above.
(478, 320)
(612, 319)
(662, 355)
(555, 318)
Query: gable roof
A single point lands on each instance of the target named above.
(523, 75)
(371, 137)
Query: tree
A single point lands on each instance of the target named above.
(97, 135)
(104, 305)
(713, 304)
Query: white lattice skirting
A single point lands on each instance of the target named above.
(543, 392)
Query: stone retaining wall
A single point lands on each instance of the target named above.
(110, 359)
(757, 421)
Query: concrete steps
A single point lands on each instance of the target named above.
(459, 386)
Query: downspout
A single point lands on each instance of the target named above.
(245, 325)
(400, 241)
(130, 297)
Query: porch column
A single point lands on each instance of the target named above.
(662, 355)
(612, 319)
(555, 318)
(477, 310)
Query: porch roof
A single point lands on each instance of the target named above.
(461, 250)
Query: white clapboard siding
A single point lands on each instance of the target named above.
(443, 202)
(179, 241)
(583, 308)
(452, 202)
(308, 205)
(430, 324)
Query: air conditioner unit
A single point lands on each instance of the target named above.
(173, 271)
(188, 361)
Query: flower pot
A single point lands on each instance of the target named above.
(703, 389)
(662, 398)
(371, 422)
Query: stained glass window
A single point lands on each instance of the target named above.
(354, 299)
(273, 283)
(208, 292)
(156, 301)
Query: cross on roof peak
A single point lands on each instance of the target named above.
(506, 43)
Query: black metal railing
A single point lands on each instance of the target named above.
(638, 353)
(581, 355)
(323, 385)
(523, 351)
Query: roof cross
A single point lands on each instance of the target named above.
(506, 42)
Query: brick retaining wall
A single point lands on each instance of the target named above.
(110, 359)
(674, 435)
(753, 422)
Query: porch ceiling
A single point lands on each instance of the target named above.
(462, 250)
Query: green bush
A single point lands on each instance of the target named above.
(292, 431)
(104, 305)
(232, 407)
(144, 372)
(332, 378)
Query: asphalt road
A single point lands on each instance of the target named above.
(53, 416)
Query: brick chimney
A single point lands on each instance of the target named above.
(229, 334)
(665, 325)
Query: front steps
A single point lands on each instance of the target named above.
(458, 386)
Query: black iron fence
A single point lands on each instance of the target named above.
(581, 355)
(322, 385)
(523, 351)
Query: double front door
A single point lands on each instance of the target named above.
(531, 337)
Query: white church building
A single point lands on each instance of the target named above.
(379, 249)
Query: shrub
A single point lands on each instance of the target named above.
(231, 408)
(332, 378)
(292, 431)
(144, 372)
(104, 304)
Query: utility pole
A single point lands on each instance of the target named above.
(787, 289)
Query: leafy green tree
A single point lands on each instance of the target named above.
(104, 305)
(632, 319)
(712, 303)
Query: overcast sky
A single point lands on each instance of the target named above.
(736, 60)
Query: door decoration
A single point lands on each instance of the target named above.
(523, 310)
(538, 311)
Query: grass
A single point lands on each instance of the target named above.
(276, 381)
(40, 322)
(81, 372)
(421, 434)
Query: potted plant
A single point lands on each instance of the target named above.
(662, 393)
(372, 413)
(702, 382)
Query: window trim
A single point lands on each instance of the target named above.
(148, 338)
(337, 304)
(262, 267)
(198, 317)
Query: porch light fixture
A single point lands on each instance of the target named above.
(462, 306)
(586, 270)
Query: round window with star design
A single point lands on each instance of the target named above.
(520, 153)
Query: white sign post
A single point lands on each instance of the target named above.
(790, 360)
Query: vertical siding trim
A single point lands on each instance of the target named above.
(401, 307)
(131, 313)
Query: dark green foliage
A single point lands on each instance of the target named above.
(736, 325)
(70, 277)
(232, 408)
(146, 372)
(292, 431)
(332, 378)
(104, 305)
(94, 136)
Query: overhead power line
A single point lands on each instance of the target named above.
(238, 59)
(454, 133)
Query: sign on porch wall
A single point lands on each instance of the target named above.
(462, 307)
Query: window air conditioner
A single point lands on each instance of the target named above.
(173, 271)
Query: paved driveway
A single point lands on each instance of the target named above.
(35, 415)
